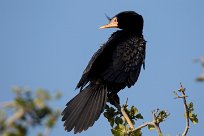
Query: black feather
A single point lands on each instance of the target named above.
(85, 108)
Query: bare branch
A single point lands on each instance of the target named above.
(15, 117)
(142, 126)
(152, 123)
(122, 109)
(126, 117)
(8, 104)
(155, 123)
(47, 131)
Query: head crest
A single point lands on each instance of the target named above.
(108, 17)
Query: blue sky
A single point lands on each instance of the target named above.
(47, 44)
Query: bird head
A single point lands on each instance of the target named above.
(127, 20)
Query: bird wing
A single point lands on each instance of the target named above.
(118, 61)
(99, 60)
(127, 60)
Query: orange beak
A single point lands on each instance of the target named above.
(112, 24)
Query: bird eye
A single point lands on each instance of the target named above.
(114, 20)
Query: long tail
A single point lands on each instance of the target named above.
(85, 108)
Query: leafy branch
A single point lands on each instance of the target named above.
(158, 117)
(188, 109)
(122, 119)
(27, 110)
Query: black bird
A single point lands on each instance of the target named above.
(113, 67)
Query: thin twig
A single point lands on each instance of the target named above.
(185, 110)
(183, 96)
(126, 101)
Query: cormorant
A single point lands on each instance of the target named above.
(113, 67)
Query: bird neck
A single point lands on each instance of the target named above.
(133, 31)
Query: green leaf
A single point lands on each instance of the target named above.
(190, 107)
(139, 116)
(116, 132)
(119, 130)
(162, 115)
(20, 130)
(41, 113)
(133, 122)
(136, 133)
(133, 110)
(20, 102)
(51, 121)
(109, 113)
(111, 121)
(106, 107)
(194, 121)
(151, 127)
(105, 114)
(193, 118)
(39, 102)
(118, 120)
